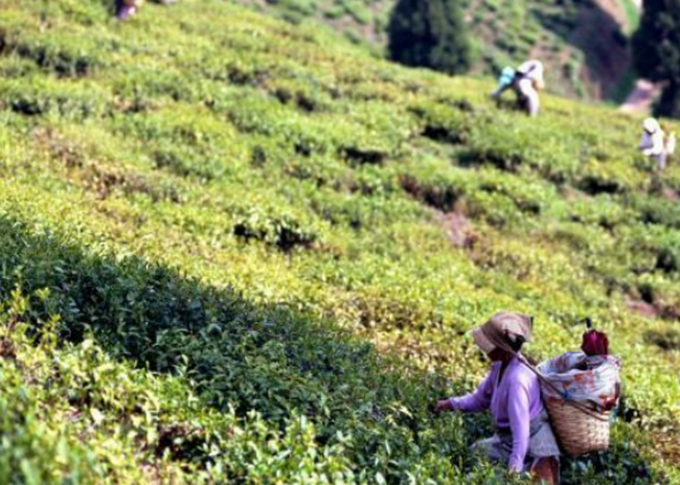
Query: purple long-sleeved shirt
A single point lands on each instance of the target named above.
(514, 402)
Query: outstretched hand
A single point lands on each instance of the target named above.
(442, 406)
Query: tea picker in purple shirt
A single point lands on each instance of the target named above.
(524, 440)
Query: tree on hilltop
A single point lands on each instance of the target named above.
(429, 33)
(656, 47)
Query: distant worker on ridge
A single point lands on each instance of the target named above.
(655, 144)
(526, 80)
(128, 8)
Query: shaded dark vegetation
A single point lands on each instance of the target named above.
(63, 63)
(183, 441)
(286, 238)
(509, 162)
(656, 48)
(446, 127)
(183, 162)
(65, 59)
(656, 211)
(442, 197)
(596, 185)
(358, 156)
(300, 99)
(429, 33)
(666, 340)
(442, 134)
(600, 464)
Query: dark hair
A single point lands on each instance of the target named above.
(516, 344)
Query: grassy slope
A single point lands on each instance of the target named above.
(236, 231)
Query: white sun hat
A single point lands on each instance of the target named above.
(650, 125)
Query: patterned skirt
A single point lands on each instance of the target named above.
(542, 443)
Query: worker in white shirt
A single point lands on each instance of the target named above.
(655, 144)
(526, 80)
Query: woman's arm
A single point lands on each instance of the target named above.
(645, 143)
(473, 402)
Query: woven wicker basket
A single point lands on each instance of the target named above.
(577, 432)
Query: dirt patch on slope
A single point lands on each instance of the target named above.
(671, 194)
(614, 10)
(459, 229)
(642, 97)
(642, 308)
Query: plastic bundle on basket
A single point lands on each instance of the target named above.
(580, 392)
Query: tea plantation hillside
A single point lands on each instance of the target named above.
(236, 251)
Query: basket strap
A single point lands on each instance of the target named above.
(578, 405)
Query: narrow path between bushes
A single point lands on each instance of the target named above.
(642, 97)
(640, 100)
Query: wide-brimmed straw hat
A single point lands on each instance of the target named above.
(501, 330)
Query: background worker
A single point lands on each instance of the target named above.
(655, 144)
(127, 8)
(526, 81)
